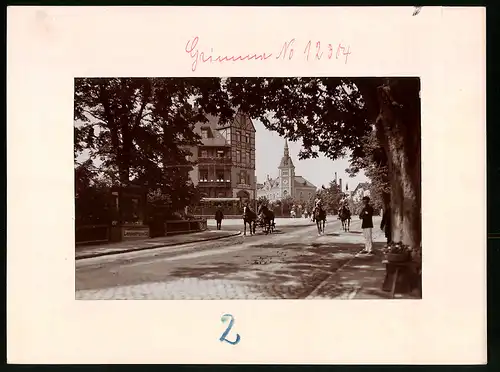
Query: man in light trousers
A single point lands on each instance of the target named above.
(366, 216)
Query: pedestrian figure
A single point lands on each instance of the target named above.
(219, 216)
(366, 216)
(385, 224)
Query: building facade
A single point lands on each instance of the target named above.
(226, 159)
(287, 183)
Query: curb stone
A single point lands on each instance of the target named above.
(82, 257)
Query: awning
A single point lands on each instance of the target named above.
(220, 199)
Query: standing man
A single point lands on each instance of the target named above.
(219, 216)
(366, 216)
(385, 224)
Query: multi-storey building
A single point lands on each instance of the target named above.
(226, 159)
(287, 183)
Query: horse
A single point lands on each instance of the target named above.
(267, 218)
(320, 216)
(249, 217)
(345, 218)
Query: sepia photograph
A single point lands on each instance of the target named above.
(220, 188)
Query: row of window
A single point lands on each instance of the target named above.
(242, 137)
(246, 158)
(218, 153)
(212, 193)
(241, 157)
(219, 176)
(244, 177)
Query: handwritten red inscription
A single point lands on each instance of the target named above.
(197, 56)
(287, 52)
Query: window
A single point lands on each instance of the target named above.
(220, 176)
(285, 192)
(203, 175)
(238, 156)
(204, 132)
(220, 153)
(243, 177)
(238, 136)
(246, 138)
(204, 153)
(301, 195)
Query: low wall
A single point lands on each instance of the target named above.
(92, 234)
(180, 227)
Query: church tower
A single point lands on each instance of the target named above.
(287, 174)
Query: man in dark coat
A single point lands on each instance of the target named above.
(366, 216)
(385, 224)
(219, 216)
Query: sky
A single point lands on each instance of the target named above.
(319, 171)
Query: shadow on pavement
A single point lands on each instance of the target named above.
(288, 271)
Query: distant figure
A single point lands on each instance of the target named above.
(266, 216)
(366, 216)
(385, 224)
(345, 217)
(219, 216)
(319, 217)
(249, 217)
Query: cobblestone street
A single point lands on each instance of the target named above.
(293, 263)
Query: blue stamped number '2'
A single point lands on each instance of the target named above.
(224, 319)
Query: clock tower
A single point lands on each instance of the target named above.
(287, 174)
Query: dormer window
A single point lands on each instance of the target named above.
(204, 133)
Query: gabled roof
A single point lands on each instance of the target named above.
(215, 138)
(214, 119)
(302, 182)
(362, 185)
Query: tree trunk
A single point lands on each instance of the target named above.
(399, 124)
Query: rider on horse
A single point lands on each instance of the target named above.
(345, 215)
(318, 204)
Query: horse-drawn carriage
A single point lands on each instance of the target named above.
(264, 218)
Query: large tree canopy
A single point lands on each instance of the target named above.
(335, 115)
(139, 129)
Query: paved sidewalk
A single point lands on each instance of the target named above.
(88, 251)
(360, 278)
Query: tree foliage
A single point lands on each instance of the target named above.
(374, 164)
(139, 130)
(334, 115)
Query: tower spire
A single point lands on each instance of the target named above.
(286, 148)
